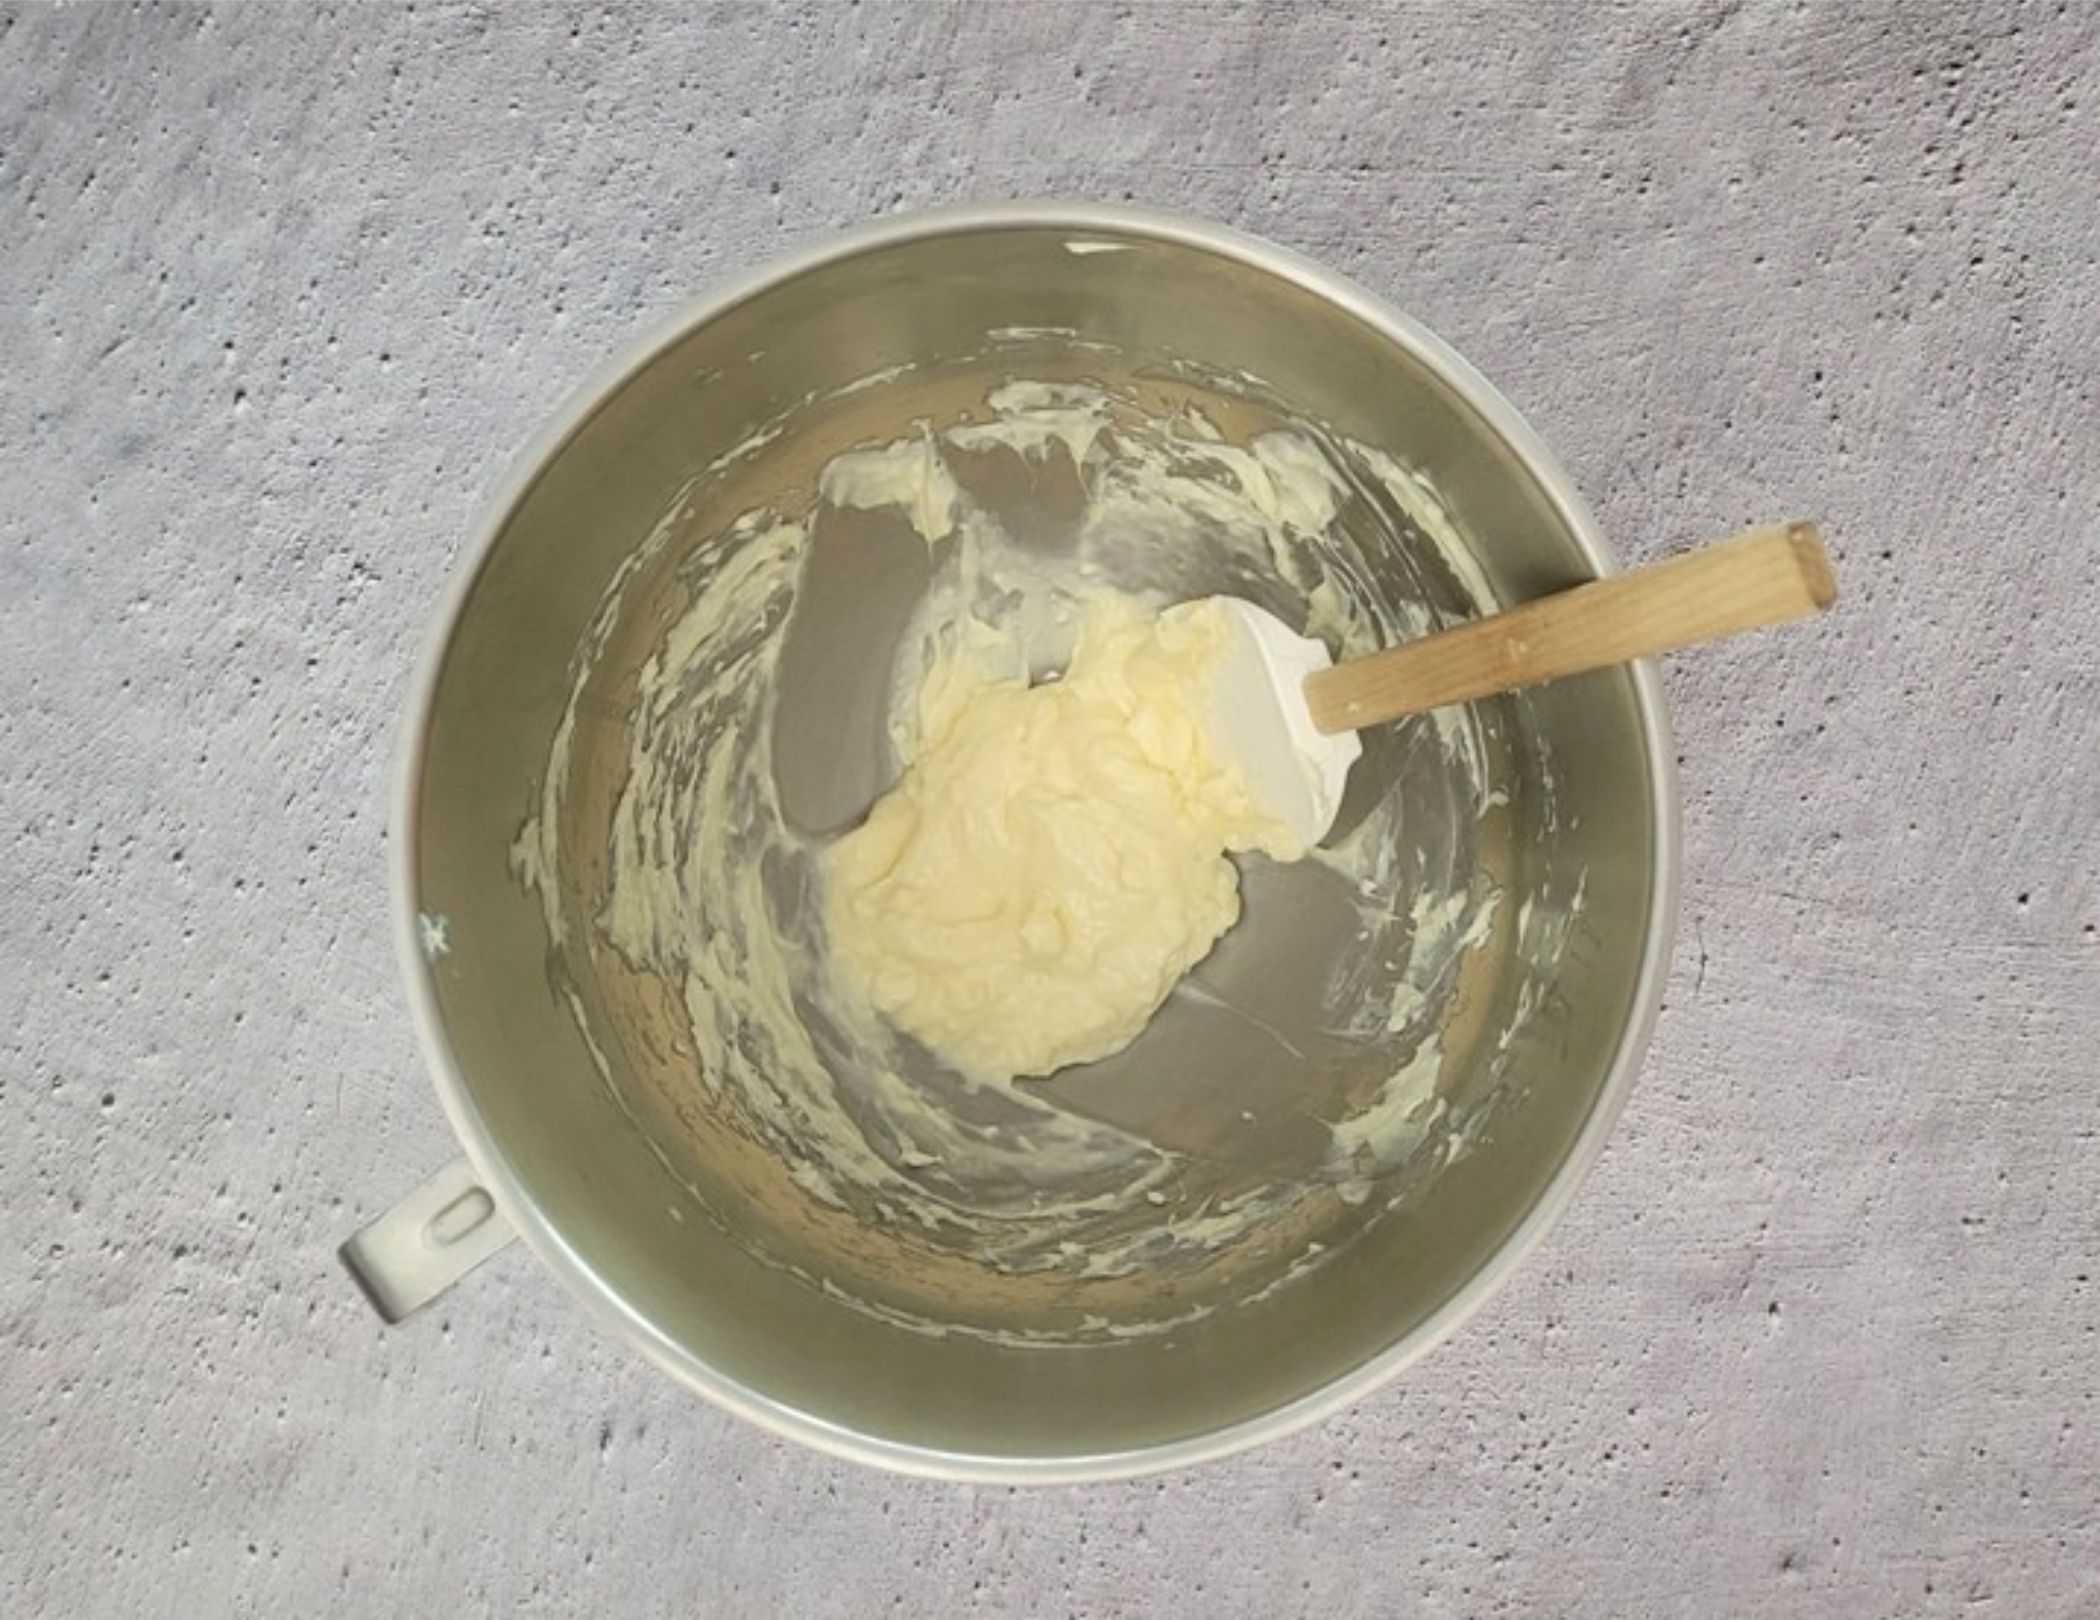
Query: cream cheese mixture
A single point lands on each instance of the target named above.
(1054, 858)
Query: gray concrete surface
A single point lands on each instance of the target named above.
(282, 287)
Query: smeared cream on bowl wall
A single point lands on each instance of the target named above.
(836, 1032)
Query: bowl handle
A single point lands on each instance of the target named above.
(427, 1242)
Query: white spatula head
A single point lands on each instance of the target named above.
(1260, 719)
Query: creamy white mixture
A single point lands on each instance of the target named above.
(1054, 858)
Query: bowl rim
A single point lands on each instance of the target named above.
(541, 1234)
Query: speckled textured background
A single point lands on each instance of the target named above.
(282, 288)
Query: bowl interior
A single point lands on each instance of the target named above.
(677, 1202)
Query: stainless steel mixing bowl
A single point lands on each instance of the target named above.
(656, 1211)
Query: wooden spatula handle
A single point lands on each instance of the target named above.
(1760, 577)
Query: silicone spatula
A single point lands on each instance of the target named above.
(1290, 715)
